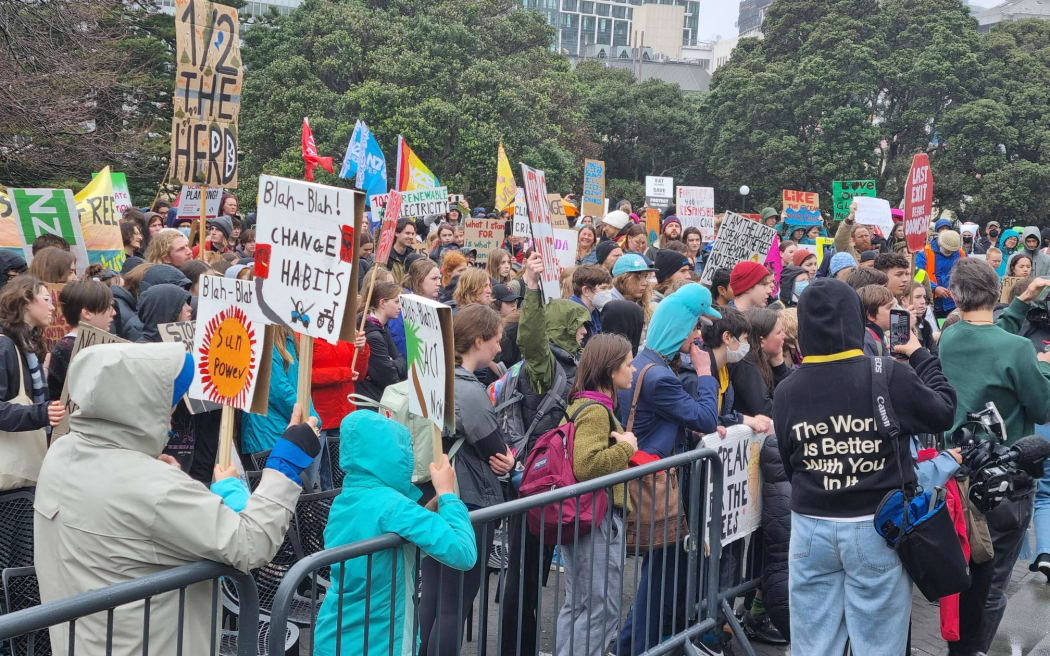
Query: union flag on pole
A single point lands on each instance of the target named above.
(412, 173)
(310, 155)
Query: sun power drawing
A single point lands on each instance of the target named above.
(227, 358)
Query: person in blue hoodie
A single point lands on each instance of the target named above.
(665, 416)
(378, 497)
(1009, 243)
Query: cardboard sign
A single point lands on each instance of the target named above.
(424, 202)
(741, 481)
(801, 208)
(520, 226)
(659, 191)
(58, 328)
(428, 336)
(49, 211)
(1008, 285)
(557, 205)
(566, 241)
(391, 214)
(305, 257)
(483, 235)
(652, 222)
(86, 336)
(190, 202)
(9, 238)
(918, 202)
(875, 212)
(182, 332)
(696, 209)
(844, 191)
(207, 98)
(542, 230)
(592, 200)
(738, 239)
(228, 345)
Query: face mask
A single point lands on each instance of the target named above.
(799, 286)
(601, 298)
(185, 232)
(993, 233)
(967, 239)
(739, 354)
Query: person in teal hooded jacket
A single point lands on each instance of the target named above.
(1008, 250)
(260, 432)
(378, 497)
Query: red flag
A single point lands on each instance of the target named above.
(310, 155)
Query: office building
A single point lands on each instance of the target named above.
(752, 14)
(1012, 10)
(583, 23)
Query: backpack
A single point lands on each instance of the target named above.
(549, 467)
(506, 396)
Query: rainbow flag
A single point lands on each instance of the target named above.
(412, 173)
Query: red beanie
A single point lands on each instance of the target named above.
(800, 256)
(746, 275)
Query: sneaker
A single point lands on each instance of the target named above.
(760, 629)
(498, 558)
(1042, 564)
(714, 643)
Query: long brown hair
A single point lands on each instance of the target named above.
(473, 322)
(418, 272)
(497, 256)
(763, 323)
(52, 265)
(15, 297)
(602, 356)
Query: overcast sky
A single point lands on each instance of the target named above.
(718, 17)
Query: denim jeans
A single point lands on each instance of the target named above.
(1042, 502)
(319, 472)
(846, 582)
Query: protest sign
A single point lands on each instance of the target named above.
(482, 235)
(48, 211)
(738, 239)
(557, 205)
(9, 238)
(739, 454)
(542, 230)
(391, 214)
(825, 245)
(306, 255)
(696, 208)
(1008, 285)
(801, 208)
(424, 202)
(87, 335)
(190, 202)
(844, 191)
(659, 192)
(875, 212)
(428, 337)
(566, 241)
(774, 264)
(591, 202)
(652, 222)
(99, 222)
(58, 328)
(520, 225)
(207, 96)
(121, 193)
(182, 332)
(918, 202)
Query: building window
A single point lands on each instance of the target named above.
(586, 7)
(603, 9)
(569, 5)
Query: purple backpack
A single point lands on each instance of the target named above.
(549, 467)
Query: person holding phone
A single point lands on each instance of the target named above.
(878, 301)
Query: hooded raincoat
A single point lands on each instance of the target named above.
(378, 497)
(1007, 252)
(107, 511)
(159, 304)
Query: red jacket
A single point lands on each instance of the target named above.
(954, 500)
(333, 380)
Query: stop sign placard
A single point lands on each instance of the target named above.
(918, 202)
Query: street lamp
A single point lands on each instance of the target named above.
(744, 191)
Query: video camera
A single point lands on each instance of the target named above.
(997, 471)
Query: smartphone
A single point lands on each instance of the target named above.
(900, 328)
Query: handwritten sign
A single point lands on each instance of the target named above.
(58, 328)
(520, 226)
(86, 336)
(428, 336)
(305, 255)
(918, 202)
(49, 211)
(483, 235)
(1008, 285)
(557, 205)
(9, 238)
(801, 208)
(424, 202)
(182, 332)
(696, 208)
(593, 198)
(100, 223)
(844, 191)
(741, 481)
(659, 191)
(190, 202)
(542, 230)
(207, 98)
(566, 241)
(391, 214)
(228, 342)
(738, 239)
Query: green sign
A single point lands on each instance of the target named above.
(844, 191)
(48, 211)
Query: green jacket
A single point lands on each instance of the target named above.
(542, 326)
(594, 454)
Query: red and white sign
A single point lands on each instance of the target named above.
(918, 202)
(542, 230)
(696, 208)
(391, 213)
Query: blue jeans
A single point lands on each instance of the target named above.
(846, 582)
(1042, 502)
(320, 470)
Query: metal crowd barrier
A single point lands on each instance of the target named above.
(518, 614)
(30, 621)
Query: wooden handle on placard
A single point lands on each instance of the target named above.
(439, 448)
(202, 226)
(226, 436)
(306, 366)
(364, 313)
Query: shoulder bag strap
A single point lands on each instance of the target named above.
(634, 399)
(885, 418)
(21, 368)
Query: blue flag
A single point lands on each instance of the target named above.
(365, 161)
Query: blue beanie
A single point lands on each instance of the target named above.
(183, 380)
(676, 316)
(840, 261)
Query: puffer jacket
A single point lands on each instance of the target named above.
(776, 535)
(107, 511)
(378, 497)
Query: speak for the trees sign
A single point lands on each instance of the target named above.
(207, 98)
(918, 202)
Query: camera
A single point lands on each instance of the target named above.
(997, 471)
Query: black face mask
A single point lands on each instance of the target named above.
(967, 239)
(993, 233)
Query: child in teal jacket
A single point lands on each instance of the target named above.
(378, 497)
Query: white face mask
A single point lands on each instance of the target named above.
(739, 353)
(603, 297)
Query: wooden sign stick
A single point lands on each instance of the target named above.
(306, 366)
(436, 432)
(364, 314)
(226, 436)
(202, 228)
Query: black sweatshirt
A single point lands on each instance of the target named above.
(838, 463)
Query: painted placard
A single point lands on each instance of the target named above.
(431, 368)
(652, 222)
(424, 202)
(542, 230)
(592, 200)
(482, 235)
(566, 241)
(190, 202)
(305, 255)
(918, 202)
(659, 191)
(801, 208)
(49, 211)
(825, 247)
(182, 332)
(520, 224)
(228, 345)
(58, 328)
(738, 239)
(739, 454)
(557, 205)
(844, 191)
(695, 207)
(391, 214)
(87, 335)
(9, 239)
(207, 98)
(100, 223)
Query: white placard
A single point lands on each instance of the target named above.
(695, 207)
(659, 187)
(566, 241)
(431, 369)
(542, 230)
(424, 202)
(739, 453)
(520, 226)
(738, 239)
(190, 202)
(874, 212)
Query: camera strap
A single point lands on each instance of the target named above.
(885, 418)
